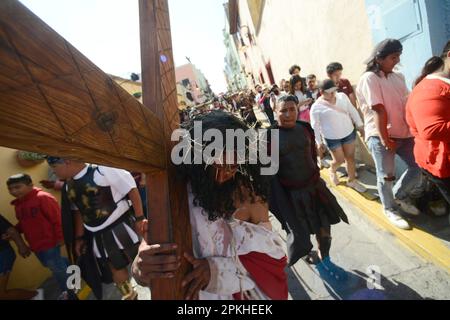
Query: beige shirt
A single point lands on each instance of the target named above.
(390, 91)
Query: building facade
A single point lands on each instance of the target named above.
(234, 71)
(195, 83)
(275, 34)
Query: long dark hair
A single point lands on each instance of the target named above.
(446, 50)
(433, 64)
(294, 80)
(382, 51)
(218, 201)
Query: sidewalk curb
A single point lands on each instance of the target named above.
(421, 243)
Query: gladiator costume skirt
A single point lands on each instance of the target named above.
(118, 243)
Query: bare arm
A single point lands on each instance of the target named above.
(79, 226)
(352, 98)
(381, 121)
(136, 202)
(15, 236)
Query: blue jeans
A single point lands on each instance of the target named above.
(334, 144)
(7, 258)
(385, 166)
(57, 264)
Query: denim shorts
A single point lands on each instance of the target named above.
(7, 258)
(333, 144)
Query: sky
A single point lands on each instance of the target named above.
(107, 32)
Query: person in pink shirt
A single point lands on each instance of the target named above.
(382, 94)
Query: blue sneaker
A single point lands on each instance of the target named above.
(329, 269)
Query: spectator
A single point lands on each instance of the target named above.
(334, 71)
(283, 84)
(312, 91)
(7, 258)
(334, 118)
(265, 103)
(287, 87)
(259, 92)
(295, 71)
(382, 95)
(298, 90)
(234, 103)
(428, 115)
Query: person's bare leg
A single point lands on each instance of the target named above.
(338, 159)
(349, 156)
(13, 294)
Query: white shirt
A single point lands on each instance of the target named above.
(390, 91)
(334, 122)
(121, 183)
(301, 98)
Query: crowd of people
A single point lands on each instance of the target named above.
(236, 253)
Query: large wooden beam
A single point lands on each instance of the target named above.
(53, 100)
(167, 197)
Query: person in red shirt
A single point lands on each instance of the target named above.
(39, 217)
(334, 71)
(428, 116)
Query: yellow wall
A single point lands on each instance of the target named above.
(27, 273)
(131, 87)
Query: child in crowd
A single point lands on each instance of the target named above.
(39, 217)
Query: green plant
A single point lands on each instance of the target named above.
(31, 156)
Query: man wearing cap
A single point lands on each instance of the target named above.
(382, 94)
(108, 213)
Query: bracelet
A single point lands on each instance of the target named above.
(140, 218)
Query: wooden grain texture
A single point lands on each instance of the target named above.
(168, 205)
(49, 90)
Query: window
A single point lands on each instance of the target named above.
(270, 73)
(186, 83)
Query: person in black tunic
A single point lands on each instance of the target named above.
(299, 197)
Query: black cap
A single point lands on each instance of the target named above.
(328, 86)
(385, 48)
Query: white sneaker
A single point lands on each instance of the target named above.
(334, 178)
(397, 220)
(408, 207)
(39, 295)
(355, 184)
(324, 164)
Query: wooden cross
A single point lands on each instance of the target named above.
(53, 100)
